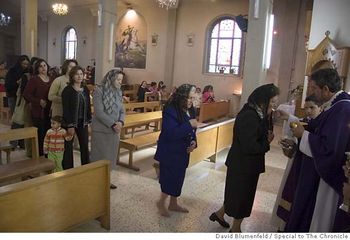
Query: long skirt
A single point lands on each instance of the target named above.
(104, 146)
(239, 194)
(171, 179)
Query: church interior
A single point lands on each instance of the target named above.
(232, 45)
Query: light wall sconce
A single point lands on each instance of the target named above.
(99, 15)
(84, 40)
(111, 42)
(130, 12)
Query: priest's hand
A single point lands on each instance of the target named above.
(297, 129)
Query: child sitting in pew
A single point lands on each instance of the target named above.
(54, 142)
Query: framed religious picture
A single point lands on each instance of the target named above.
(190, 39)
(154, 40)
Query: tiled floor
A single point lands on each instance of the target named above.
(133, 206)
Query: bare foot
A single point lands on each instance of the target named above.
(162, 210)
(177, 208)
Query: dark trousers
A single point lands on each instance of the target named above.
(43, 124)
(83, 138)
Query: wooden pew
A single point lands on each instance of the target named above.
(153, 106)
(136, 143)
(28, 167)
(7, 149)
(211, 140)
(57, 202)
(214, 110)
(150, 96)
(4, 111)
(141, 119)
(132, 94)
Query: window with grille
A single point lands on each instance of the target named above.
(224, 47)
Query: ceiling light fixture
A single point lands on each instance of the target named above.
(4, 20)
(60, 9)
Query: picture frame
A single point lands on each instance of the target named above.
(154, 39)
(190, 39)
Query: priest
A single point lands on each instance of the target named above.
(319, 194)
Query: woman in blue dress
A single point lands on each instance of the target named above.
(176, 141)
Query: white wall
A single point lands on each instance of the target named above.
(84, 23)
(42, 38)
(194, 18)
(333, 16)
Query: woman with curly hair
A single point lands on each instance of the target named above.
(176, 141)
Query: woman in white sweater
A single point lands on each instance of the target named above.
(56, 89)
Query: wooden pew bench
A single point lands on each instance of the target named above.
(136, 143)
(6, 149)
(152, 106)
(214, 110)
(24, 168)
(141, 119)
(57, 202)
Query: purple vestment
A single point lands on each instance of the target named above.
(329, 139)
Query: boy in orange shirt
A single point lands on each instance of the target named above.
(54, 142)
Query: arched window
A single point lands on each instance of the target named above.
(224, 45)
(70, 44)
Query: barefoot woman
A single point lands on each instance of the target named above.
(177, 139)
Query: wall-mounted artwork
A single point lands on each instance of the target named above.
(131, 45)
(190, 39)
(154, 39)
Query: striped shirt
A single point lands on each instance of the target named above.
(54, 140)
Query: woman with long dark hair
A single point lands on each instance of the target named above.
(246, 158)
(13, 78)
(36, 93)
(176, 141)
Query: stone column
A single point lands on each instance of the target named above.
(170, 53)
(254, 69)
(105, 39)
(29, 27)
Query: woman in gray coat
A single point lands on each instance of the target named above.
(108, 119)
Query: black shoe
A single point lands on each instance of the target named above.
(112, 186)
(213, 217)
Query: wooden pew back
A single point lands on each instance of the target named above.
(23, 133)
(153, 106)
(57, 202)
(214, 110)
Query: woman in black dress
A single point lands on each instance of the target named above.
(246, 158)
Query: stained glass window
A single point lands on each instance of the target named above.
(225, 43)
(70, 44)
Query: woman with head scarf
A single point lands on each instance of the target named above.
(246, 158)
(176, 141)
(108, 119)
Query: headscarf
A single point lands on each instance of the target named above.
(110, 91)
(179, 99)
(260, 98)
